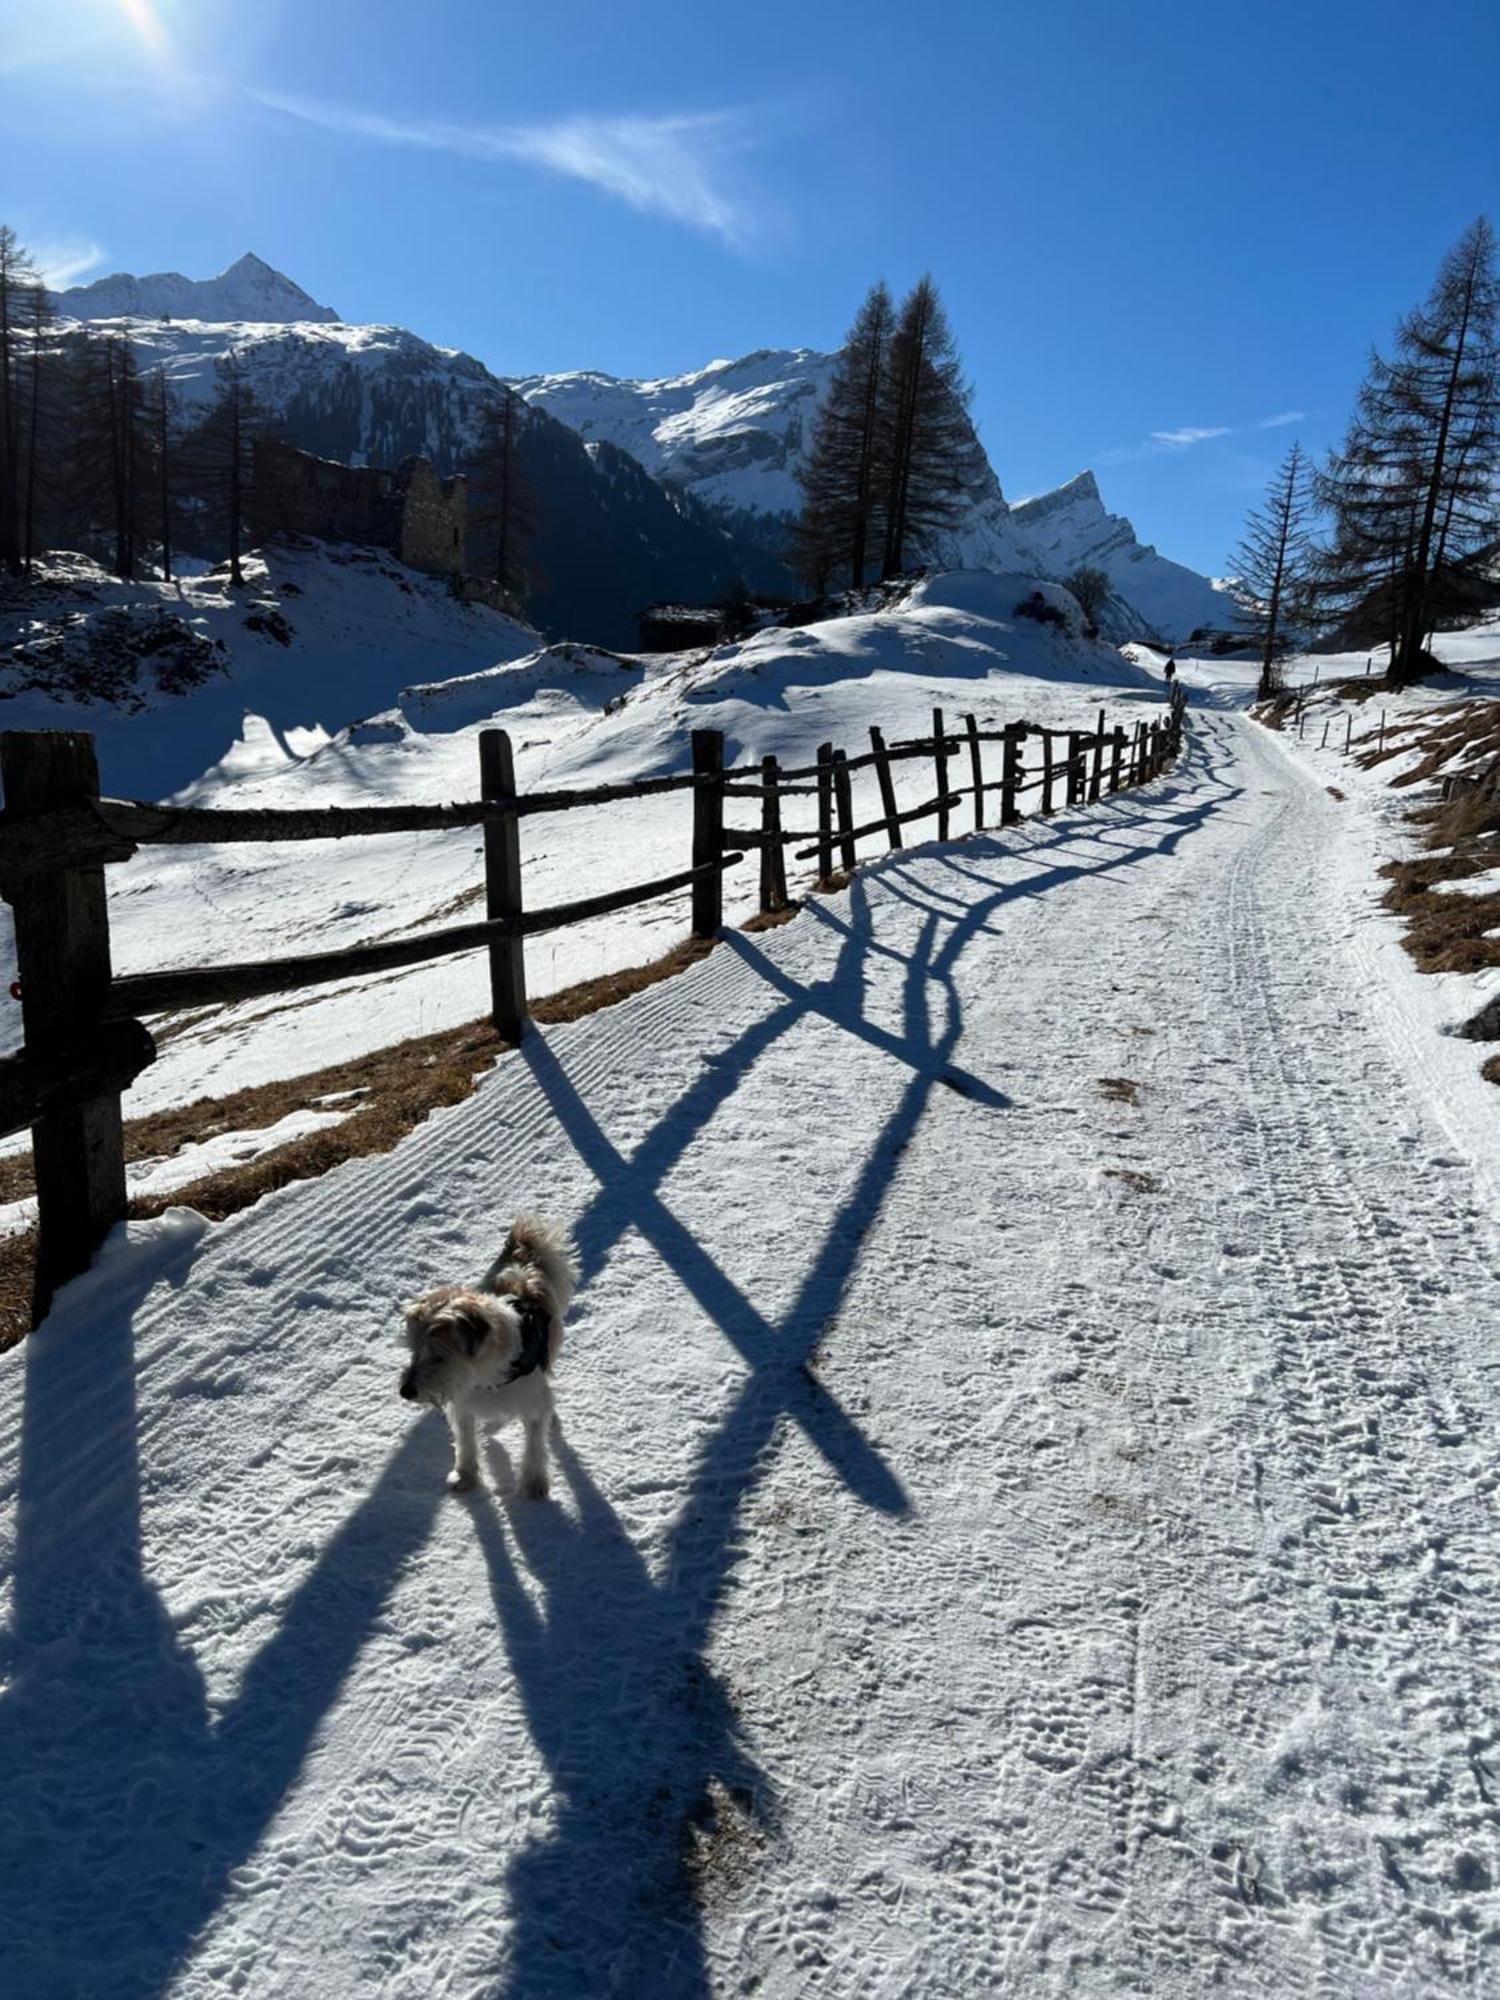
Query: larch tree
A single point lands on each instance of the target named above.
(1412, 491)
(1271, 563)
(933, 463)
(108, 446)
(507, 511)
(18, 283)
(842, 483)
(221, 455)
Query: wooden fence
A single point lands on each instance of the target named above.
(84, 1042)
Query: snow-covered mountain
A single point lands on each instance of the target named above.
(671, 486)
(733, 436)
(249, 290)
(1070, 527)
(609, 539)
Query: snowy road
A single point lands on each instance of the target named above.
(1008, 1538)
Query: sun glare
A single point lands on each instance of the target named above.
(147, 24)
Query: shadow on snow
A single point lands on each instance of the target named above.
(128, 1804)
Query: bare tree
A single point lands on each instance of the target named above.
(221, 457)
(507, 511)
(1091, 587)
(18, 282)
(1270, 563)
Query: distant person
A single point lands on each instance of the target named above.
(1170, 672)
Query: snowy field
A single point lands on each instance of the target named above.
(1008, 1538)
(424, 675)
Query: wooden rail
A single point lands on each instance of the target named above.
(84, 1042)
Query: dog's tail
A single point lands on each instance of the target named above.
(539, 1245)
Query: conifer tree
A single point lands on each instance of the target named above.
(841, 479)
(1270, 563)
(933, 462)
(1412, 491)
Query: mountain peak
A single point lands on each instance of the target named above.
(250, 290)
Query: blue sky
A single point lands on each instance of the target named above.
(1159, 228)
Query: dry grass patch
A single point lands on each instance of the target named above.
(771, 920)
(1445, 932)
(1470, 732)
(393, 1090)
(1134, 1179)
(1120, 1090)
(1334, 793)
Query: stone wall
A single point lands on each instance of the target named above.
(434, 518)
(411, 512)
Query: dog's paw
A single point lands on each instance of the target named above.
(534, 1486)
(460, 1481)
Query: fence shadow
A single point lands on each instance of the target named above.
(129, 1801)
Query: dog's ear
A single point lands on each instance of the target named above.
(470, 1325)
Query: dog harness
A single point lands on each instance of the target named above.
(536, 1324)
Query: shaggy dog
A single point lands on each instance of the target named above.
(482, 1354)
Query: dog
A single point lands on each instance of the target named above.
(484, 1354)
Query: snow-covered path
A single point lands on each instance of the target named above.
(1006, 1539)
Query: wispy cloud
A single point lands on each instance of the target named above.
(1182, 437)
(1187, 434)
(63, 260)
(682, 166)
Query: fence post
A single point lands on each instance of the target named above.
(708, 831)
(502, 886)
(825, 811)
(887, 789)
(940, 768)
(1046, 772)
(845, 797)
(772, 854)
(62, 959)
(1098, 774)
(1010, 773)
(1076, 755)
(1116, 755)
(976, 765)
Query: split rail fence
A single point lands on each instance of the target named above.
(85, 1043)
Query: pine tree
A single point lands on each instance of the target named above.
(1412, 490)
(1271, 563)
(841, 477)
(933, 462)
(507, 512)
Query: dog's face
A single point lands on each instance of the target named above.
(453, 1335)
